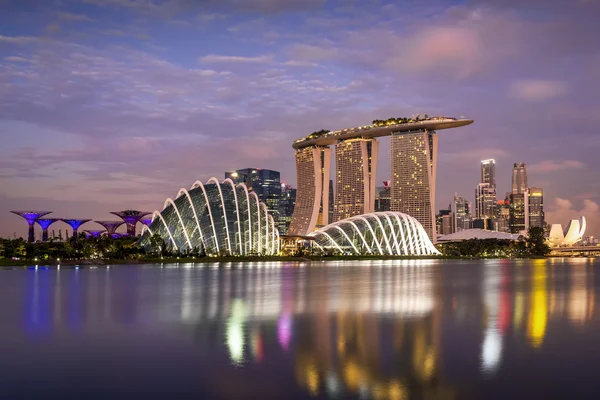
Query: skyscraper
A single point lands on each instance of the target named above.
(485, 201)
(519, 178)
(286, 208)
(534, 208)
(265, 183)
(462, 213)
(414, 164)
(355, 164)
(382, 197)
(313, 167)
(517, 213)
(488, 172)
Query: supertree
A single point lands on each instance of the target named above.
(45, 224)
(75, 224)
(146, 221)
(110, 226)
(93, 233)
(131, 218)
(31, 217)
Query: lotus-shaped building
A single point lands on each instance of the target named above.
(573, 234)
(219, 217)
(379, 233)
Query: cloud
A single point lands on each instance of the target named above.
(553, 166)
(216, 59)
(65, 16)
(538, 90)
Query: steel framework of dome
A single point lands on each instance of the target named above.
(219, 217)
(380, 233)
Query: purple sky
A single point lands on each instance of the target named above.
(114, 104)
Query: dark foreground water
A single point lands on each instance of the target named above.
(382, 330)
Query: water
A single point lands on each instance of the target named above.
(384, 330)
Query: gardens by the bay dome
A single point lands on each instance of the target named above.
(216, 217)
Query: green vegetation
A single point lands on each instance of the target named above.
(317, 134)
(392, 121)
(536, 242)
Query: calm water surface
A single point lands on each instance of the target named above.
(381, 330)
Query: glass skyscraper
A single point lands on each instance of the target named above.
(534, 208)
(488, 172)
(519, 178)
(286, 208)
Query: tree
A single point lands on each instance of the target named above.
(156, 243)
(536, 242)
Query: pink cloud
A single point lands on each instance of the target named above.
(537, 90)
(553, 166)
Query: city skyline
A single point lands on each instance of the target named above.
(117, 106)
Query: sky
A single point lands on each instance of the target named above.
(114, 104)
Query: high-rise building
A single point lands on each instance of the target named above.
(382, 197)
(534, 208)
(313, 167)
(485, 201)
(462, 213)
(414, 160)
(502, 219)
(446, 221)
(519, 178)
(355, 164)
(517, 213)
(414, 165)
(265, 183)
(286, 208)
(488, 172)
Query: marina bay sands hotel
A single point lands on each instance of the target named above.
(414, 144)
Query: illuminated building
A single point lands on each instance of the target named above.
(286, 208)
(217, 217)
(110, 226)
(573, 234)
(382, 197)
(462, 212)
(485, 201)
(488, 172)
(516, 220)
(31, 217)
(45, 224)
(445, 222)
(519, 178)
(534, 208)
(385, 233)
(313, 166)
(413, 167)
(75, 224)
(265, 183)
(131, 218)
(355, 165)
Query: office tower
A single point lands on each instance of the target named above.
(519, 178)
(286, 208)
(414, 164)
(265, 183)
(488, 172)
(382, 197)
(503, 215)
(517, 213)
(331, 200)
(355, 165)
(534, 208)
(462, 213)
(446, 221)
(313, 167)
(485, 201)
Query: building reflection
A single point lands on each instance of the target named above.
(376, 330)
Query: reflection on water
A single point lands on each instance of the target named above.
(382, 330)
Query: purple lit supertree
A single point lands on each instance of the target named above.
(31, 217)
(131, 218)
(91, 233)
(45, 223)
(146, 221)
(110, 226)
(75, 224)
